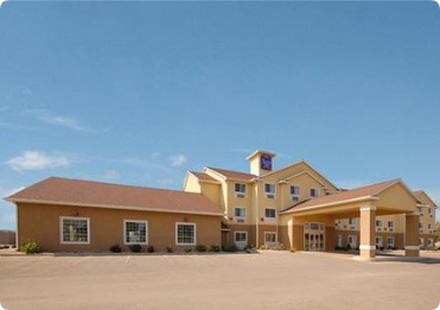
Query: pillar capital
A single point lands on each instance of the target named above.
(367, 208)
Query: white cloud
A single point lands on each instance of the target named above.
(37, 160)
(59, 120)
(112, 175)
(178, 160)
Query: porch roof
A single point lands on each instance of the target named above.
(360, 194)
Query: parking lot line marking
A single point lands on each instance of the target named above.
(127, 260)
(79, 262)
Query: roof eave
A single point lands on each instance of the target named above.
(105, 206)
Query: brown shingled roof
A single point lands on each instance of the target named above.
(204, 177)
(365, 191)
(94, 194)
(229, 174)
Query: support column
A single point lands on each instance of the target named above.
(368, 232)
(412, 243)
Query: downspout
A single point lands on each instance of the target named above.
(257, 237)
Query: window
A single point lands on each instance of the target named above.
(390, 225)
(430, 227)
(241, 238)
(270, 238)
(240, 190)
(421, 242)
(185, 233)
(240, 214)
(378, 225)
(422, 212)
(135, 232)
(352, 241)
(421, 227)
(430, 212)
(75, 230)
(352, 223)
(314, 192)
(270, 190)
(378, 242)
(295, 193)
(270, 213)
(430, 243)
(390, 242)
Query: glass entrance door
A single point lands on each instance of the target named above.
(314, 237)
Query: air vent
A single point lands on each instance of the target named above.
(270, 196)
(240, 195)
(294, 198)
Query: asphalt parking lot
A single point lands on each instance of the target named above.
(235, 281)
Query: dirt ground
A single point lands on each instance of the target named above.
(271, 280)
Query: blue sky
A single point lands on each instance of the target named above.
(141, 92)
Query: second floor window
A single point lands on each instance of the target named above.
(352, 221)
(390, 225)
(240, 215)
(270, 213)
(378, 223)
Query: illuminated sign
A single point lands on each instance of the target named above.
(266, 162)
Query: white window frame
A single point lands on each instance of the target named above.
(393, 243)
(270, 218)
(352, 222)
(430, 243)
(274, 193)
(135, 221)
(177, 233)
(390, 227)
(422, 242)
(62, 218)
(241, 243)
(270, 233)
(379, 227)
(237, 193)
(354, 237)
(317, 191)
(380, 243)
(244, 218)
(429, 227)
(297, 196)
(430, 212)
(421, 228)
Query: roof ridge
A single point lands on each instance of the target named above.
(117, 184)
(216, 168)
(374, 184)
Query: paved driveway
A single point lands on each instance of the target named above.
(242, 281)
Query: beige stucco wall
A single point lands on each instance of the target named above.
(41, 223)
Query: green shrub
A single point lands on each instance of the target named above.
(292, 250)
(135, 248)
(115, 248)
(214, 248)
(201, 248)
(151, 249)
(30, 248)
(263, 247)
(169, 250)
(188, 250)
(230, 247)
(279, 247)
